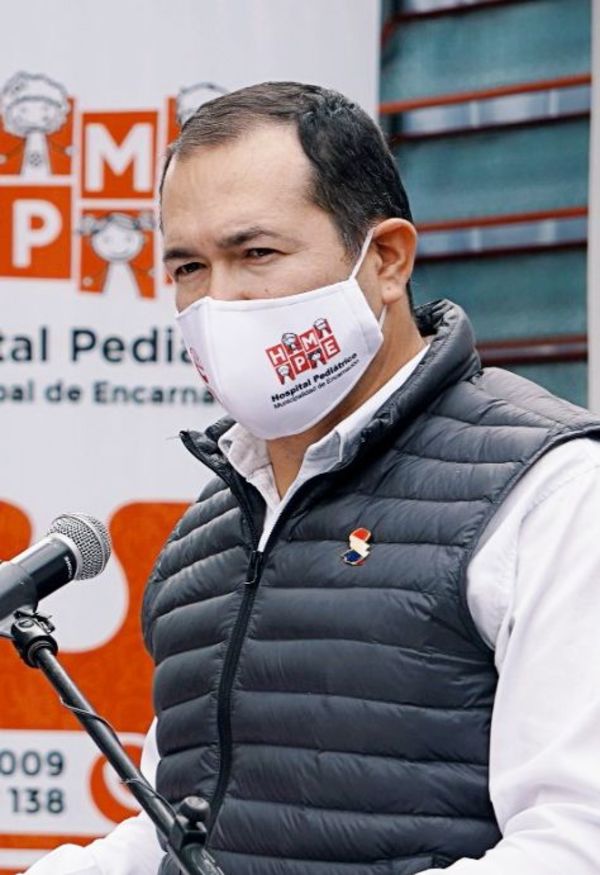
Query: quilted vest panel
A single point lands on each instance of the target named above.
(337, 717)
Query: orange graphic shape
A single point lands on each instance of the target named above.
(118, 126)
(106, 803)
(116, 677)
(15, 530)
(173, 129)
(45, 260)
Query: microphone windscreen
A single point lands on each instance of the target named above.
(91, 538)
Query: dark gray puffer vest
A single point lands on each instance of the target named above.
(337, 717)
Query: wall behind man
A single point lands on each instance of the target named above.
(486, 103)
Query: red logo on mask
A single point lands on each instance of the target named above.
(299, 353)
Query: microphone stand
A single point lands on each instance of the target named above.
(184, 829)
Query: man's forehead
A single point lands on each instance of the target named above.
(235, 188)
(252, 160)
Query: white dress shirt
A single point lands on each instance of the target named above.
(533, 588)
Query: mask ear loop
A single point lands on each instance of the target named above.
(357, 267)
(363, 253)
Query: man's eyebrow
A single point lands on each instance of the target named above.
(230, 241)
(238, 238)
(179, 252)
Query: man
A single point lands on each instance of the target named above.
(375, 632)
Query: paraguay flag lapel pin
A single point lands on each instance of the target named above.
(359, 547)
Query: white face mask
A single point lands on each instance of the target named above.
(278, 366)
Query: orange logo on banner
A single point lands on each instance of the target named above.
(117, 251)
(36, 127)
(35, 231)
(118, 154)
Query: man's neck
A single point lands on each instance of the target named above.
(402, 342)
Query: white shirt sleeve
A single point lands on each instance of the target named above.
(131, 848)
(534, 591)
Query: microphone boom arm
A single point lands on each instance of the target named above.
(184, 830)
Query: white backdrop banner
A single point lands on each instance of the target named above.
(94, 384)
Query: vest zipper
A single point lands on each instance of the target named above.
(253, 574)
(234, 648)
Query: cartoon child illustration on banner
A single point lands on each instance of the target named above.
(117, 260)
(33, 108)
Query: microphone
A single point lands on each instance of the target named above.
(76, 547)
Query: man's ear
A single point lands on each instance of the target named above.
(396, 244)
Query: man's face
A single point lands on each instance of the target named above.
(239, 225)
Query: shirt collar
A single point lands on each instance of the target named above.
(348, 430)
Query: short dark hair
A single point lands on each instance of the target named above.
(355, 178)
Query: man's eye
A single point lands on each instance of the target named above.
(258, 252)
(187, 269)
